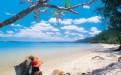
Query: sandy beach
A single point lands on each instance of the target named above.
(97, 62)
(102, 60)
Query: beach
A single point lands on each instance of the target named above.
(95, 61)
(52, 54)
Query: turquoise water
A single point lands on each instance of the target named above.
(22, 49)
(26, 48)
(24, 45)
(15, 47)
(12, 53)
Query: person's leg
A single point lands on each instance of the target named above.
(38, 73)
(35, 70)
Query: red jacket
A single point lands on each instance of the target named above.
(36, 63)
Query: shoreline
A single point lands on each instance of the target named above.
(78, 63)
(88, 61)
(58, 62)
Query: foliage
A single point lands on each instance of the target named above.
(67, 3)
(54, 12)
(111, 11)
(106, 36)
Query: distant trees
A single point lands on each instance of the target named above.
(106, 36)
(35, 5)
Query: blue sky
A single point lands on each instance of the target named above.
(71, 26)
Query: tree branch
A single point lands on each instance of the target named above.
(20, 15)
(43, 1)
(76, 6)
(40, 3)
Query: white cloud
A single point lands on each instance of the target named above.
(7, 35)
(73, 27)
(70, 27)
(30, 33)
(16, 25)
(41, 30)
(42, 26)
(12, 24)
(55, 29)
(94, 31)
(78, 35)
(94, 19)
(1, 34)
(7, 13)
(74, 33)
(86, 6)
(80, 21)
(58, 33)
(10, 32)
(49, 33)
(66, 36)
(67, 32)
(52, 20)
(66, 21)
(45, 31)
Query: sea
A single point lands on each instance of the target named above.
(13, 53)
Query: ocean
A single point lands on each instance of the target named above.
(13, 53)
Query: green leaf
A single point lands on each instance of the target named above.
(67, 3)
(54, 12)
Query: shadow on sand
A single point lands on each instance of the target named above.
(110, 67)
(109, 50)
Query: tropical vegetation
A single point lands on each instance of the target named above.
(106, 36)
(111, 11)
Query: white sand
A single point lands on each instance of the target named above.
(95, 62)
(110, 45)
(88, 62)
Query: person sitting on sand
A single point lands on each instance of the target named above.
(35, 65)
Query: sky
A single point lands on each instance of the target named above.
(71, 26)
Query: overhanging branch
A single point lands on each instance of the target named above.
(76, 6)
(19, 15)
(40, 3)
